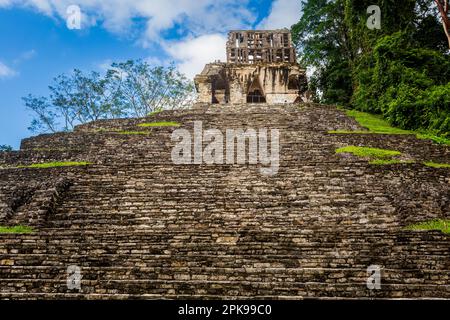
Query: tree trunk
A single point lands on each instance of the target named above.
(443, 6)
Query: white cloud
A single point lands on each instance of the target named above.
(200, 23)
(6, 72)
(5, 3)
(283, 14)
(191, 55)
(196, 17)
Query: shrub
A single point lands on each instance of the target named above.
(409, 86)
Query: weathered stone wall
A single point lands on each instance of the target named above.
(278, 82)
(260, 46)
(140, 226)
(261, 68)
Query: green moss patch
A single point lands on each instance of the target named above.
(155, 112)
(133, 132)
(16, 229)
(55, 164)
(159, 124)
(377, 125)
(367, 152)
(436, 165)
(439, 224)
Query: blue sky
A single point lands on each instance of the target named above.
(36, 44)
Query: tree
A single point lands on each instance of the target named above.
(4, 147)
(400, 70)
(321, 38)
(145, 89)
(128, 89)
(443, 7)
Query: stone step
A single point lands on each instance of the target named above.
(359, 260)
(266, 274)
(227, 288)
(142, 227)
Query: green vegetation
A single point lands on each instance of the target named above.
(99, 130)
(436, 165)
(439, 224)
(55, 164)
(5, 147)
(124, 132)
(400, 71)
(376, 156)
(16, 229)
(159, 124)
(434, 138)
(373, 153)
(407, 85)
(133, 132)
(132, 88)
(155, 112)
(376, 124)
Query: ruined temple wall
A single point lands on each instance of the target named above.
(256, 46)
(261, 67)
(203, 87)
(271, 79)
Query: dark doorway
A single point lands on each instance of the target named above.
(255, 93)
(255, 96)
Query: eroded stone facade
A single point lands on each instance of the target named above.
(140, 226)
(261, 68)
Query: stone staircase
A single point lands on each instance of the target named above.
(140, 226)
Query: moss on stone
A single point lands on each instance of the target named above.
(373, 153)
(16, 229)
(377, 125)
(438, 224)
(436, 165)
(159, 124)
(155, 112)
(133, 132)
(55, 164)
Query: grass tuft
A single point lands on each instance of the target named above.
(16, 229)
(436, 165)
(159, 124)
(155, 112)
(55, 164)
(373, 153)
(376, 124)
(439, 224)
(133, 132)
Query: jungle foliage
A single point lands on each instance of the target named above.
(401, 71)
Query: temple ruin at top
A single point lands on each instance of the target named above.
(261, 67)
